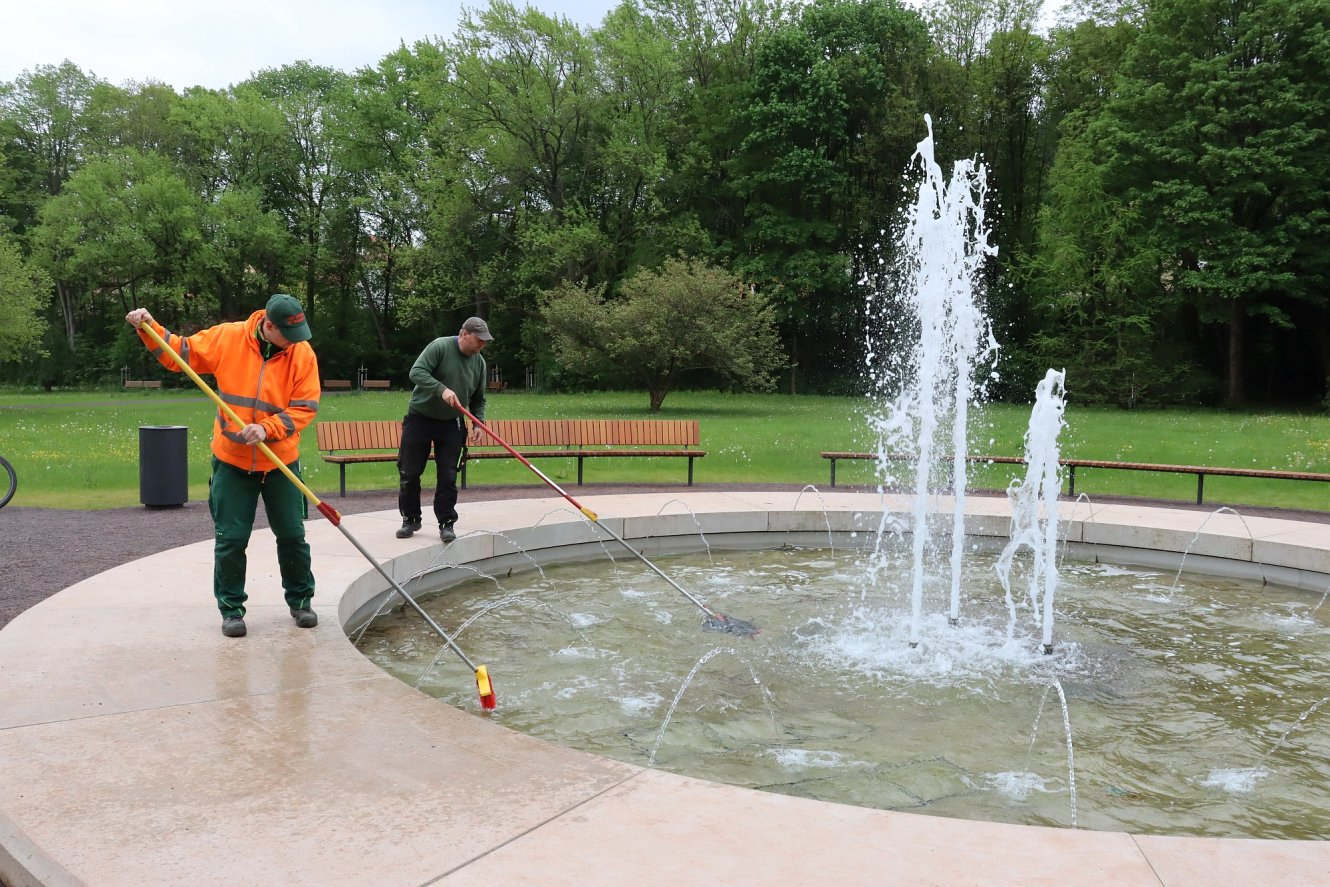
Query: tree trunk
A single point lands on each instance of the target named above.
(657, 398)
(67, 308)
(1237, 341)
(1323, 341)
(380, 334)
(794, 362)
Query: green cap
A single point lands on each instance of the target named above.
(285, 312)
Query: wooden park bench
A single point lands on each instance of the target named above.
(380, 384)
(347, 443)
(336, 384)
(143, 383)
(1201, 471)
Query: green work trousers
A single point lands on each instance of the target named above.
(233, 498)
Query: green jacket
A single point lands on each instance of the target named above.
(443, 365)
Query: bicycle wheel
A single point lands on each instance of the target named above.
(9, 482)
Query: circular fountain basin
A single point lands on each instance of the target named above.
(1171, 703)
(138, 745)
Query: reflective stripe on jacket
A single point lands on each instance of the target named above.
(281, 394)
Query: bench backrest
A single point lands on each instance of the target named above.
(371, 435)
(639, 432)
(595, 432)
(386, 435)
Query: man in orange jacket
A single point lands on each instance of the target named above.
(267, 372)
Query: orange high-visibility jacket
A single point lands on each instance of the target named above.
(281, 394)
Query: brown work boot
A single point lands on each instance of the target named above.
(233, 626)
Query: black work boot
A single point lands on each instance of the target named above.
(408, 528)
(446, 532)
(233, 626)
(305, 618)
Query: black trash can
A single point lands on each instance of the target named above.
(163, 465)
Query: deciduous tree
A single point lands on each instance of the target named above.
(685, 317)
(25, 289)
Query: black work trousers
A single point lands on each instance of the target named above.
(419, 434)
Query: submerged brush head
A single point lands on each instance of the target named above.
(730, 625)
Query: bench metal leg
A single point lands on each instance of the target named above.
(1200, 487)
(342, 479)
(690, 471)
(579, 471)
(833, 471)
(1071, 480)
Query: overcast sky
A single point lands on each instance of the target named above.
(216, 44)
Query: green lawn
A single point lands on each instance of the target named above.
(80, 449)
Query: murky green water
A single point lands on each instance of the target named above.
(1183, 702)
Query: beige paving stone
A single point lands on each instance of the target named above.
(664, 829)
(299, 787)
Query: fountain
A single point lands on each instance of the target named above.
(135, 762)
(931, 302)
(800, 709)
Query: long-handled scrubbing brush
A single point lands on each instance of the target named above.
(484, 685)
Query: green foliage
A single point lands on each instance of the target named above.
(1215, 139)
(829, 122)
(120, 221)
(1157, 177)
(24, 292)
(664, 324)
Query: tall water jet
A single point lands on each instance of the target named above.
(929, 387)
(1034, 507)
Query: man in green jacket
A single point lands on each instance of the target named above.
(448, 374)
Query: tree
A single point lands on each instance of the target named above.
(44, 128)
(224, 144)
(120, 223)
(523, 132)
(383, 148)
(1093, 287)
(24, 291)
(1215, 139)
(642, 90)
(683, 318)
(302, 177)
(1094, 306)
(830, 121)
(44, 120)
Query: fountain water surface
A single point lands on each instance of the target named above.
(1163, 710)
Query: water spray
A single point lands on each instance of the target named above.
(715, 621)
(484, 686)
